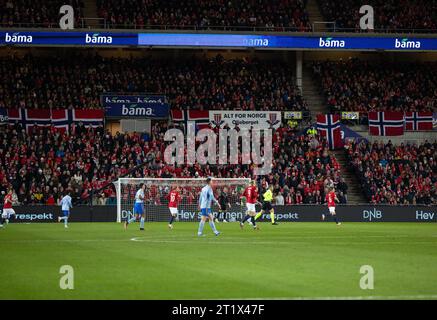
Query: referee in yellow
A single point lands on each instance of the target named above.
(267, 205)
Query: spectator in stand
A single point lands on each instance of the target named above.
(390, 15)
(402, 174)
(357, 85)
(273, 15)
(194, 83)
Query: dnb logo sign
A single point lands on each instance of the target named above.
(372, 215)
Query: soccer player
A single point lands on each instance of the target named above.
(205, 199)
(173, 200)
(267, 205)
(66, 205)
(331, 197)
(138, 209)
(8, 212)
(251, 195)
(224, 203)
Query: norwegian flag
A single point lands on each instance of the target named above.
(328, 126)
(200, 117)
(89, 118)
(386, 123)
(30, 117)
(61, 119)
(416, 121)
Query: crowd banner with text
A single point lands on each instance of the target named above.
(135, 106)
(287, 213)
(245, 119)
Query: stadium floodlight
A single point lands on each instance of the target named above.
(158, 189)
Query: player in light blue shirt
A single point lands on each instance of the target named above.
(66, 205)
(205, 200)
(138, 210)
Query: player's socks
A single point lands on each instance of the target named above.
(335, 219)
(171, 220)
(142, 223)
(247, 217)
(131, 220)
(65, 221)
(258, 215)
(212, 225)
(253, 222)
(201, 225)
(272, 216)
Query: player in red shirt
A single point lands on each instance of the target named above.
(331, 197)
(251, 195)
(7, 207)
(174, 198)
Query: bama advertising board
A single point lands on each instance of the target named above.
(225, 40)
(302, 213)
(135, 106)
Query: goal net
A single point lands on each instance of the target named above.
(157, 192)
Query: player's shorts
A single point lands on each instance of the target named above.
(138, 208)
(331, 210)
(173, 211)
(205, 212)
(250, 207)
(7, 213)
(66, 213)
(267, 206)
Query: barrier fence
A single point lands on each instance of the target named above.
(297, 213)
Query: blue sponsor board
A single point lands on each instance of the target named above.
(3, 115)
(135, 106)
(229, 40)
(68, 38)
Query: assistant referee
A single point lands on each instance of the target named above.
(267, 205)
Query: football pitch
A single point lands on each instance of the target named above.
(288, 261)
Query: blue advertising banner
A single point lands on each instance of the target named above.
(268, 41)
(68, 38)
(135, 106)
(3, 116)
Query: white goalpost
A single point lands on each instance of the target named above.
(158, 189)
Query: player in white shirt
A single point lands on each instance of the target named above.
(138, 210)
(66, 205)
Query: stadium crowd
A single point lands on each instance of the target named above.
(192, 83)
(390, 15)
(274, 15)
(396, 174)
(36, 13)
(42, 163)
(357, 85)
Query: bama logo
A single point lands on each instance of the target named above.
(95, 38)
(331, 43)
(260, 42)
(17, 38)
(407, 44)
(135, 110)
(34, 216)
(372, 214)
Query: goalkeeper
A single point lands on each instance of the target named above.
(267, 205)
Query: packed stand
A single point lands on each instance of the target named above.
(273, 15)
(41, 164)
(36, 13)
(396, 174)
(390, 15)
(358, 85)
(188, 83)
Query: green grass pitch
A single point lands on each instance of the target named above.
(292, 260)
